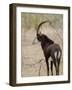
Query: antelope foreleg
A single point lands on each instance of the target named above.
(47, 64)
(51, 67)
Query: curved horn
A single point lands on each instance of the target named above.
(40, 26)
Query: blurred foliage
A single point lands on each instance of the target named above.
(32, 20)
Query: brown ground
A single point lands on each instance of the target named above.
(31, 54)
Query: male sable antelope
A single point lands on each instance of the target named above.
(50, 49)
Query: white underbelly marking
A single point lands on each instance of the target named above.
(57, 55)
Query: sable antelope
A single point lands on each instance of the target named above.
(50, 49)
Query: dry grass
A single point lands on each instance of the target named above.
(31, 54)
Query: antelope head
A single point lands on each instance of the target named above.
(39, 34)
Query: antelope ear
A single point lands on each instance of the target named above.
(34, 41)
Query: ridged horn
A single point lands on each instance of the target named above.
(40, 26)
